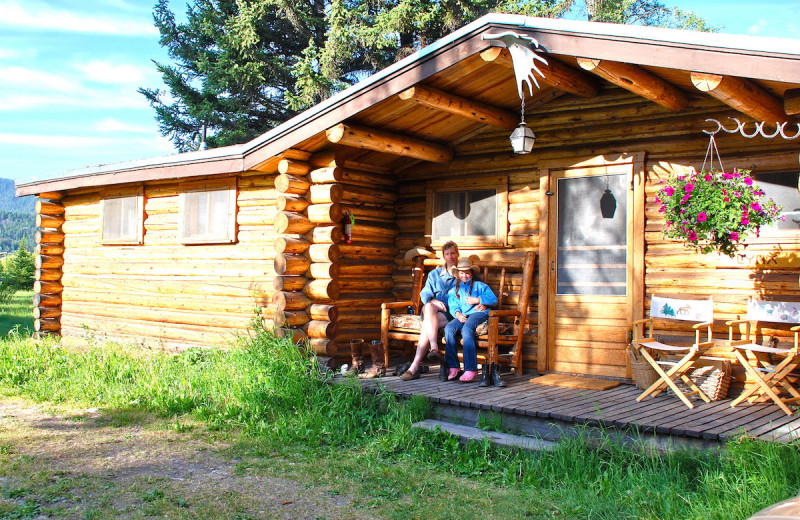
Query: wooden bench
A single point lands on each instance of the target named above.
(500, 339)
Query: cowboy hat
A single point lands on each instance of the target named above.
(464, 264)
(411, 254)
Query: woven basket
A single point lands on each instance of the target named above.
(643, 374)
(714, 379)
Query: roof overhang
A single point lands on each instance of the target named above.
(744, 56)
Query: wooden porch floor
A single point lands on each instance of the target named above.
(548, 411)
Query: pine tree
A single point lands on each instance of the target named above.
(20, 268)
(232, 69)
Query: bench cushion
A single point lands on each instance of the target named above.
(414, 322)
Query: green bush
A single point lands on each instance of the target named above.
(19, 269)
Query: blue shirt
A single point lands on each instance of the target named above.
(439, 282)
(459, 303)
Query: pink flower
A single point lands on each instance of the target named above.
(689, 188)
(745, 221)
(702, 217)
(663, 208)
(692, 236)
(727, 176)
(756, 206)
(727, 199)
(708, 177)
(734, 236)
(668, 191)
(656, 200)
(748, 181)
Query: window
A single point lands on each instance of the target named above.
(122, 219)
(470, 215)
(208, 216)
(782, 187)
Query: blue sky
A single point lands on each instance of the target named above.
(69, 70)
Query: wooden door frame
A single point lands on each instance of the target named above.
(546, 303)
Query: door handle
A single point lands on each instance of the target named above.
(552, 265)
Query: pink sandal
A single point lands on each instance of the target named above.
(452, 374)
(469, 375)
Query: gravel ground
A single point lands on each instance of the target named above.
(121, 468)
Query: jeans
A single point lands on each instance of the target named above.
(468, 335)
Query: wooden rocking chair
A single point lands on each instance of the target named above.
(500, 340)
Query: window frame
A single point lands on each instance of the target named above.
(138, 194)
(767, 234)
(230, 227)
(498, 183)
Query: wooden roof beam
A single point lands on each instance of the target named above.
(742, 95)
(388, 142)
(556, 74)
(460, 106)
(791, 101)
(639, 81)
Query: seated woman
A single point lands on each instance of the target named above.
(469, 303)
(434, 309)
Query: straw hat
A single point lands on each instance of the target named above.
(464, 264)
(411, 254)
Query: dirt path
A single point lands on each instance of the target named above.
(85, 464)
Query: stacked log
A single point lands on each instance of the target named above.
(48, 261)
(306, 256)
(363, 266)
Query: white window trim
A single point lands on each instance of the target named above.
(498, 183)
(230, 236)
(139, 239)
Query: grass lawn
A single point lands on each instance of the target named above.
(18, 313)
(281, 419)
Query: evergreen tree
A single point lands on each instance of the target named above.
(245, 66)
(20, 269)
(231, 72)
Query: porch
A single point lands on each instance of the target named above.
(551, 412)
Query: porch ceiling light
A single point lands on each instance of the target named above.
(522, 138)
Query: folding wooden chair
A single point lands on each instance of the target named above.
(769, 379)
(656, 353)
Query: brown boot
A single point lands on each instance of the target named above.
(357, 365)
(378, 367)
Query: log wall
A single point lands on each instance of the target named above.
(160, 293)
(363, 266)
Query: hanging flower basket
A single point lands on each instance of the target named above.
(715, 211)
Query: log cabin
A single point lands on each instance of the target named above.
(186, 250)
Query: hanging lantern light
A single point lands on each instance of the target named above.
(608, 203)
(522, 138)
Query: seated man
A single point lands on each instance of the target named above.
(434, 309)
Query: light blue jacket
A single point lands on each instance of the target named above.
(459, 303)
(437, 285)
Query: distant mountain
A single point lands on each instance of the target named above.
(9, 202)
(16, 218)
